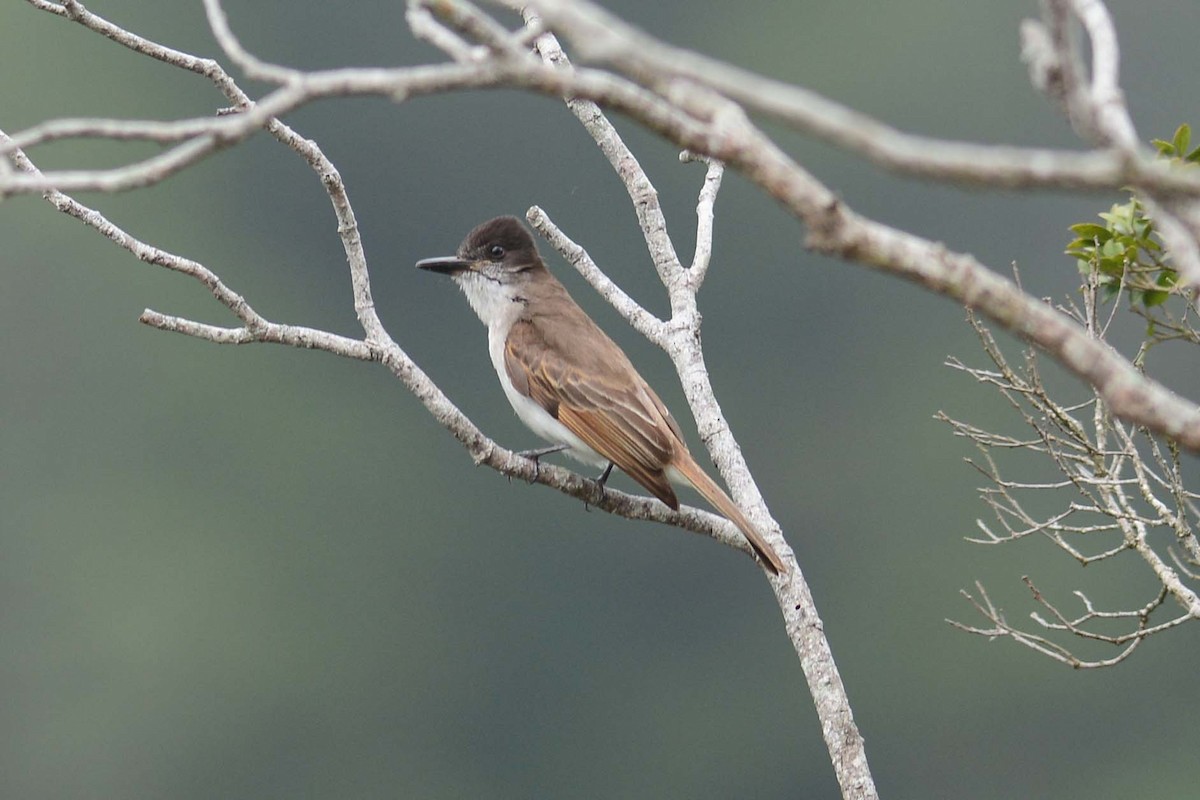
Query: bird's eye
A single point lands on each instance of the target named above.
(497, 252)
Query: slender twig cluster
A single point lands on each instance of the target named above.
(1116, 493)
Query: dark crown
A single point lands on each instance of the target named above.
(507, 232)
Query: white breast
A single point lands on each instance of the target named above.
(536, 418)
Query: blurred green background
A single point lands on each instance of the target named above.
(259, 572)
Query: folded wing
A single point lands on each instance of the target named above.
(610, 407)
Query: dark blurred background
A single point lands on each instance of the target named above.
(261, 572)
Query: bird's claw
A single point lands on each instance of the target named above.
(535, 456)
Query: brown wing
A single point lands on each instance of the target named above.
(607, 405)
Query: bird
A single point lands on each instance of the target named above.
(568, 382)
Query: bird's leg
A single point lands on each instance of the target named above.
(536, 455)
(603, 479)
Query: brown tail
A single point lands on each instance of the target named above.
(687, 467)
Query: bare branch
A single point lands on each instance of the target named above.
(427, 28)
(642, 320)
(1096, 108)
(218, 22)
(601, 37)
(1001, 629)
(704, 216)
(637, 184)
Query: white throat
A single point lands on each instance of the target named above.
(495, 303)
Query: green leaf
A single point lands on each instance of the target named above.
(1164, 148)
(1090, 231)
(1152, 297)
(1193, 157)
(1112, 248)
(1167, 278)
(1183, 138)
(1120, 218)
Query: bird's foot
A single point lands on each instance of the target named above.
(603, 479)
(536, 455)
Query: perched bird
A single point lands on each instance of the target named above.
(570, 383)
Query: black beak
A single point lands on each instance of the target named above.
(447, 265)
